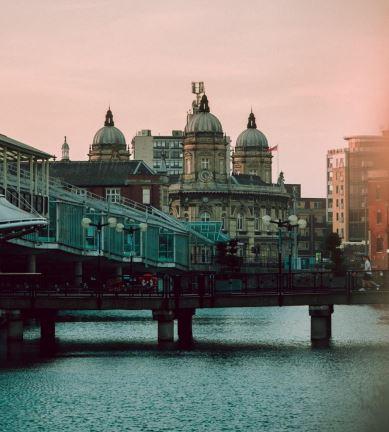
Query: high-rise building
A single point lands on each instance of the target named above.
(162, 153)
(348, 172)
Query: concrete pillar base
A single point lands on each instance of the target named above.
(185, 333)
(321, 325)
(14, 324)
(31, 264)
(78, 273)
(165, 320)
(47, 322)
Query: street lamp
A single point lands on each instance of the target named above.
(142, 227)
(86, 223)
(293, 222)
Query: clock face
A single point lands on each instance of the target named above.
(205, 176)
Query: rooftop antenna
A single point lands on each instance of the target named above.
(198, 90)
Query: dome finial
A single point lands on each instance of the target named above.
(251, 124)
(109, 118)
(204, 107)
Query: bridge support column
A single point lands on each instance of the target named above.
(184, 320)
(78, 273)
(14, 324)
(31, 263)
(3, 337)
(47, 322)
(165, 320)
(321, 325)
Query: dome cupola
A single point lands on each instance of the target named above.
(109, 134)
(109, 142)
(203, 121)
(252, 138)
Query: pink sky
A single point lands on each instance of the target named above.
(313, 71)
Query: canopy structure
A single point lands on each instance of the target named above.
(211, 230)
(15, 222)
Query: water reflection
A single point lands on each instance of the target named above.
(249, 370)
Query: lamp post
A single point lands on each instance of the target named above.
(291, 223)
(120, 228)
(86, 223)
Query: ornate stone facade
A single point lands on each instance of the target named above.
(207, 192)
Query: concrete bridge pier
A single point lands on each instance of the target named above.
(184, 320)
(78, 273)
(14, 324)
(321, 325)
(165, 320)
(47, 323)
(31, 263)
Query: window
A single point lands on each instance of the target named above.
(379, 217)
(380, 244)
(257, 222)
(221, 166)
(205, 217)
(378, 193)
(253, 172)
(204, 163)
(223, 221)
(112, 195)
(146, 195)
(239, 222)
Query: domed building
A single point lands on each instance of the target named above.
(207, 192)
(252, 155)
(109, 142)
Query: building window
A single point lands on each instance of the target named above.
(380, 244)
(146, 195)
(253, 172)
(204, 163)
(239, 222)
(378, 193)
(112, 195)
(221, 166)
(257, 222)
(224, 227)
(205, 217)
(379, 217)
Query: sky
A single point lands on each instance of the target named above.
(313, 71)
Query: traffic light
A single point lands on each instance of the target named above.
(233, 246)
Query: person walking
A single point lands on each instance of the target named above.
(367, 281)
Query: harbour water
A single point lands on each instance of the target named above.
(249, 370)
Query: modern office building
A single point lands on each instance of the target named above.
(348, 172)
(162, 153)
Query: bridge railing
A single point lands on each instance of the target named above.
(198, 284)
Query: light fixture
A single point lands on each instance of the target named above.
(293, 219)
(85, 222)
(266, 219)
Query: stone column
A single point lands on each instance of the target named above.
(14, 325)
(165, 320)
(184, 319)
(31, 264)
(78, 274)
(47, 322)
(321, 326)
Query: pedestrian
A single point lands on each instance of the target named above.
(367, 281)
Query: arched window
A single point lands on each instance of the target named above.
(222, 169)
(257, 222)
(239, 222)
(380, 244)
(204, 163)
(379, 216)
(186, 217)
(205, 217)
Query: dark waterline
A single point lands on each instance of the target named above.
(249, 370)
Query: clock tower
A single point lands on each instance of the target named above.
(204, 148)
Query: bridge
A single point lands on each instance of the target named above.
(176, 297)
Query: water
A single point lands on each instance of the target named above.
(250, 370)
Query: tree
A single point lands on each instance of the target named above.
(332, 246)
